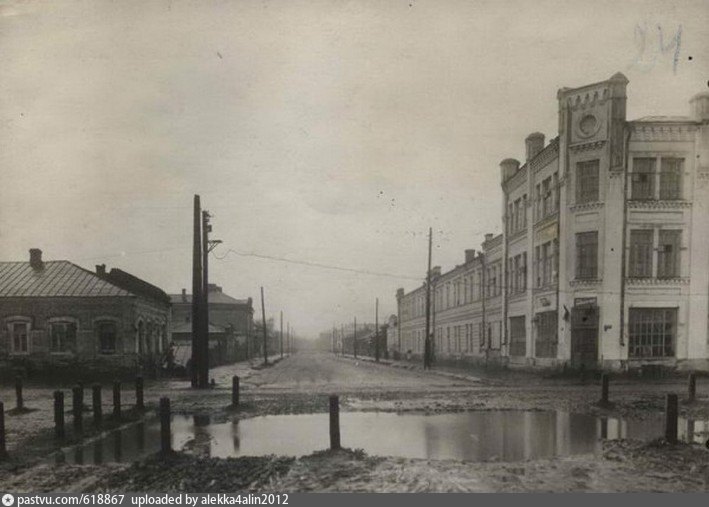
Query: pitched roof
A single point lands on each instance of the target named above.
(214, 297)
(55, 279)
(135, 285)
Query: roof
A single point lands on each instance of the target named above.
(186, 327)
(135, 285)
(55, 279)
(668, 119)
(214, 297)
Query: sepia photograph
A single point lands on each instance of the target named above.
(252, 250)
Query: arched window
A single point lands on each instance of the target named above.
(19, 334)
(106, 333)
(62, 335)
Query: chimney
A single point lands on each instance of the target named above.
(36, 259)
(534, 144)
(101, 269)
(699, 105)
(213, 287)
(399, 293)
(184, 295)
(488, 237)
(435, 271)
(469, 255)
(508, 168)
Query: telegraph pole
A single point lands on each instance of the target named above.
(427, 341)
(376, 330)
(281, 334)
(342, 339)
(354, 338)
(265, 340)
(196, 293)
(203, 374)
(290, 350)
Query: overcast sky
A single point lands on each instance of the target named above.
(328, 132)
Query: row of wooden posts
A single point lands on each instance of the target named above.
(671, 410)
(77, 408)
(671, 404)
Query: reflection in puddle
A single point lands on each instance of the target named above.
(508, 435)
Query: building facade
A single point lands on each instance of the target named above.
(230, 326)
(604, 259)
(56, 314)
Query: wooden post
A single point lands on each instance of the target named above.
(196, 360)
(116, 400)
(671, 418)
(235, 391)
(281, 334)
(376, 330)
(354, 338)
(427, 337)
(265, 334)
(96, 398)
(604, 389)
(3, 446)
(334, 422)
(165, 437)
(59, 414)
(77, 408)
(692, 387)
(139, 393)
(18, 392)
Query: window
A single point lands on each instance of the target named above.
(524, 211)
(643, 179)
(641, 253)
(19, 337)
(518, 338)
(652, 332)
(668, 254)
(671, 178)
(107, 337)
(587, 182)
(63, 336)
(538, 202)
(587, 255)
(548, 260)
(546, 197)
(547, 338)
(523, 273)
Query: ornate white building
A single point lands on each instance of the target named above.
(605, 256)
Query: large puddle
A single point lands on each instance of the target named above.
(472, 436)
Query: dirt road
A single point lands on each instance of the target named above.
(301, 383)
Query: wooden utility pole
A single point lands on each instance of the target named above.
(376, 330)
(354, 338)
(203, 373)
(196, 291)
(265, 334)
(342, 339)
(281, 334)
(427, 340)
(290, 351)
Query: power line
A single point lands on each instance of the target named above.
(314, 264)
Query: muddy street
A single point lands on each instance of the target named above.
(482, 431)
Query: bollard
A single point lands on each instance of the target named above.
(334, 422)
(59, 414)
(77, 407)
(139, 393)
(235, 391)
(18, 393)
(671, 418)
(165, 437)
(692, 387)
(604, 389)
(3, 446)
(96, 395)
(116, 400)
